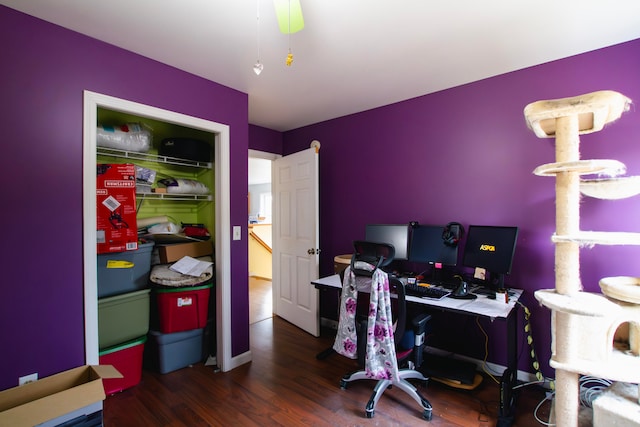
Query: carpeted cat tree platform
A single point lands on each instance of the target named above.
(595, 334)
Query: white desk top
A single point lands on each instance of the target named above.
(482, 306)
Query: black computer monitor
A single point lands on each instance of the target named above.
(428, 246)
(395, 234)
(492, 248)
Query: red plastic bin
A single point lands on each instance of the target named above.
(182, 309)
(126, 358)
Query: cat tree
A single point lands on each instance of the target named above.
(592, 334)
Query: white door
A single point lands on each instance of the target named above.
(295, 239)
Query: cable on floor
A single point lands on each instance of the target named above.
(591, 388)
(548, 397)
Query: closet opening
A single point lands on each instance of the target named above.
(95, 104)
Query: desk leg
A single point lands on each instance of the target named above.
(329, 350)
(506, 412)
(325, 353)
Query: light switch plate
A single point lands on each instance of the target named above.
(237, 233)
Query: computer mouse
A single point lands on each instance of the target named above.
(462, 289)
(491, 296)
(462, 292)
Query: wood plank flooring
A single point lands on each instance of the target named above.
(260, 299)
(285, 385)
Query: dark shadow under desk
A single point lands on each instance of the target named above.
(494, 309)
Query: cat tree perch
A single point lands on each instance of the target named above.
(592, 334)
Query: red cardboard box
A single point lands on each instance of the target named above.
(117, 229)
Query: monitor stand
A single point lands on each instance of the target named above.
(500, 286)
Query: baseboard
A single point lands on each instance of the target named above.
(493, 368)
(256, 276)
(239, 360)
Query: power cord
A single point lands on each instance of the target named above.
(540, 378)
(549, 397)
(591, 388)
(486, 352)
(536, 364)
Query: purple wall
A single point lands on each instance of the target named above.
(466, 155)
(45, 70)
(263, 139)
(463, 154)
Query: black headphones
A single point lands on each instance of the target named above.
(452, 233)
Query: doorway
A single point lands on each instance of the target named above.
(260, 236)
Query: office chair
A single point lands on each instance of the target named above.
(366, 262)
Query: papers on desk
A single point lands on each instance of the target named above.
(482, 306)
(332, 281)
(492, 307)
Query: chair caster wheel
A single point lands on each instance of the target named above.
(343, 384)
(427, 414)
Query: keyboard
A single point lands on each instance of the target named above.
(449, 284)
(425, 291)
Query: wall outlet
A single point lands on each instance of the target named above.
(28, 379)
(237, 233)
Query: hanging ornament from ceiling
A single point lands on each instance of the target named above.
(258, 67)
(290, 20)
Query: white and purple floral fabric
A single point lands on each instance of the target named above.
(380, 358)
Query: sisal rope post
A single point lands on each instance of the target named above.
(567, 263)
(567, 259)
(567, 401)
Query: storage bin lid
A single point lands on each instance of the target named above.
(129, 295)
(173, 337)
(142, 248)
(184, 289)
(123, 346)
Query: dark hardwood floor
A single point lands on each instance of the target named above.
(285, 385)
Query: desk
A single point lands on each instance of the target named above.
(481, 306)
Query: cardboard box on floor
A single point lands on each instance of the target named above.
(174, 252)
(51, 397)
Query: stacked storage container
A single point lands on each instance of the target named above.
(123, 313)
(180, 313)
(184, 158)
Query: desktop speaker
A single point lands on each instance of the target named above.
(452, 233)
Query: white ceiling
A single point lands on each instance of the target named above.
(352, 55)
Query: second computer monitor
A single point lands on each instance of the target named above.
(491, 248)
(428, 246)
(395, 234)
